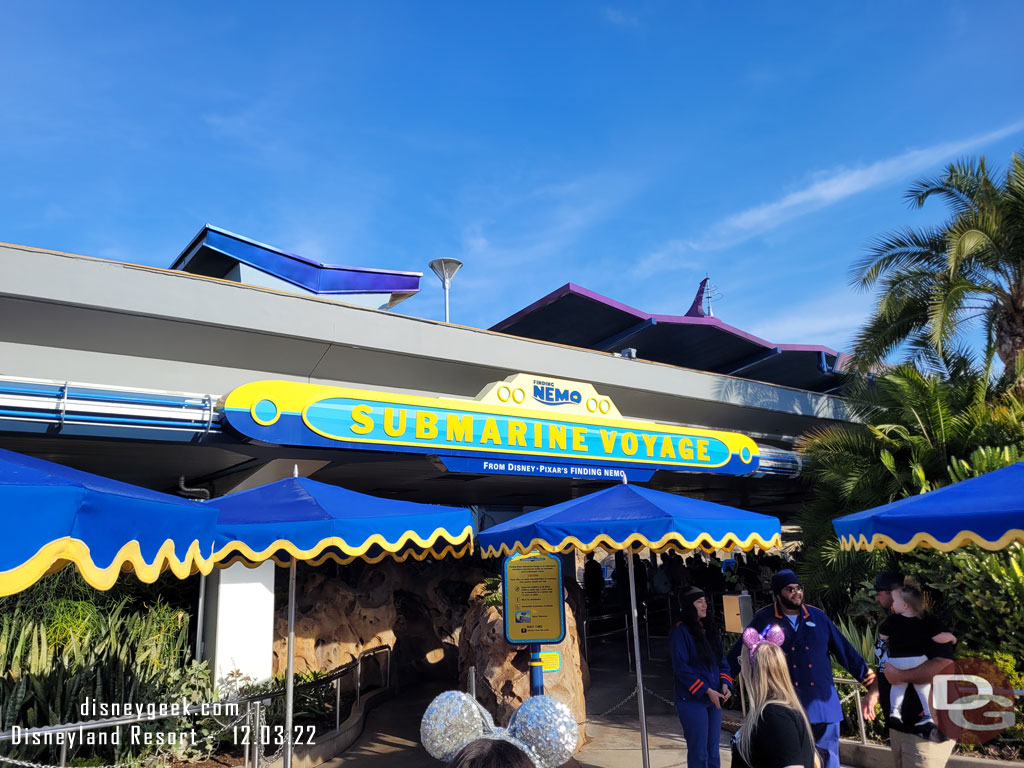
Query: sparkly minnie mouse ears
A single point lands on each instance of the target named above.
(543, 728)
(771, 634)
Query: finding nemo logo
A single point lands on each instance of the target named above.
(547, 393)
(501, 421)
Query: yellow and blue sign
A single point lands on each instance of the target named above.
(550, 661)
(547, 421)
(532, 593)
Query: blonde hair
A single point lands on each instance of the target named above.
(911, 596)
(767, 681)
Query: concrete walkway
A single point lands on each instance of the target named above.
(391, 737)
(614, 738)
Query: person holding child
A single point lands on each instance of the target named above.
(910, 747)
(907, 636)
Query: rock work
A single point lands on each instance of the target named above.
(435, 617)
(503, 680)
(417, 608)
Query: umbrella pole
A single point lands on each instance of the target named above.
(636, 655)
(289, 682)
(200, 615)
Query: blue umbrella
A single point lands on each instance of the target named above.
(624, 517)
(54, 515)
(986, 510)
(301, 519)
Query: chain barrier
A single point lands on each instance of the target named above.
(126, 763)
(259, 746)
(659, 697)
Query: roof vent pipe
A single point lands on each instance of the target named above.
(196, 493)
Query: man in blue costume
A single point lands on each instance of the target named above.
(810, 638)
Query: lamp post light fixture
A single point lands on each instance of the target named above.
(445, 270)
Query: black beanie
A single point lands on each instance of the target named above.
(690, 595)
(886, 582)
(783, 579)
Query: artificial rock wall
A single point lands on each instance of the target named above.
(435, 616)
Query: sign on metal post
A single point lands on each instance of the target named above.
(534, 608)
(551, 661)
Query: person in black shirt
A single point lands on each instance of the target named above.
(909, 748)
(775, 732)
(593, 581)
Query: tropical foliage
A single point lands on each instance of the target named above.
(917, 431)
(932, 282)
(61, 643)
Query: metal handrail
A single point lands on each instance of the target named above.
(330, 677)
(230, 705)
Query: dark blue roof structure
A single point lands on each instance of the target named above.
(577, 317)
(215, 252)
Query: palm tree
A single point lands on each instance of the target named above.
(932, 282)
(917, 431)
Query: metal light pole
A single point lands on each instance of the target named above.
(445, 270)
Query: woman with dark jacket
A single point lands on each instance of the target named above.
(702, 679)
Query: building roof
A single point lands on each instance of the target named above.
(578, 317)
(215, 252)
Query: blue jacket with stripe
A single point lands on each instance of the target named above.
(693, 676)
(807, 650)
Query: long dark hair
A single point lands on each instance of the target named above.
(704, 632)
(490, 753)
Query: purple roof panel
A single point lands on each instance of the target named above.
(578, 317)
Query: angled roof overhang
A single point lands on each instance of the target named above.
(578, 317)
(214, 252)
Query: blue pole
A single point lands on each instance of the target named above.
(536, 671)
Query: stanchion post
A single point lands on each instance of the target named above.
(536, 671)
(337, 703)
(248, 722)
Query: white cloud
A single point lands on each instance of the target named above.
(827, 188)
(830, 319)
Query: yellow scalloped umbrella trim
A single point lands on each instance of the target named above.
(333, 557)
(352, 551)
(669, 541)
(962, 539)
(58, 553)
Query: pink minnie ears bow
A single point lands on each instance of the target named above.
(771, 634)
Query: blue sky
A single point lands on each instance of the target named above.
(629, 148)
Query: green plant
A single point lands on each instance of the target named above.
(918, 431)
(60, 645)
(931, 283)
(862, 638)
(981, 594)
(314, 706)
(492, 591)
